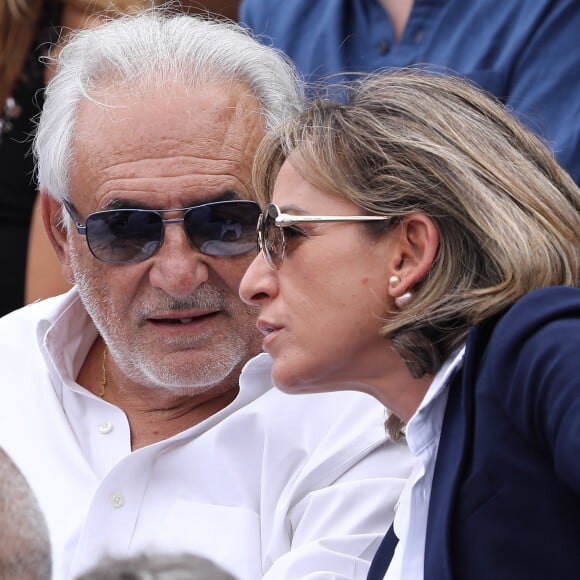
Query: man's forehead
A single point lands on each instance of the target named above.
(170, 145)
(167, 108)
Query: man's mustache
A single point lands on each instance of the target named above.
(204, 298)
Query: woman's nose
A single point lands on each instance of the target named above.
(259, 282)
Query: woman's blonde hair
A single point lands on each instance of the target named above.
(411, 141)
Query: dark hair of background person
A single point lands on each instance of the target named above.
(24, 539)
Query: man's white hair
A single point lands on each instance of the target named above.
(153, 47)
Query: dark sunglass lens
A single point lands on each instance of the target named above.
(125, 235)
(223, 229)
(272, 236)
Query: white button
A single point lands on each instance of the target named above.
(117, 500)
(105, 427)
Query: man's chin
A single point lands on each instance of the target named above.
(192, 377)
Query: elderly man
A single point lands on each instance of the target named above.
(24, 542)
(128, 402)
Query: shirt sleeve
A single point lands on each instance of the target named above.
(336, 529)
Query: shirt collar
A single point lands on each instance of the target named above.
(425, 425)
(66, 333)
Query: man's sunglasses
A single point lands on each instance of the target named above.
(122, 236)
(272, 226)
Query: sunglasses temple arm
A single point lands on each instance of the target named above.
(81, 229)
(288, 220)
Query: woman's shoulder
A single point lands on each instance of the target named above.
(539, 309)
(536, 343)
(540, 330)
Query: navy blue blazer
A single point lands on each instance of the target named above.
(505, 501)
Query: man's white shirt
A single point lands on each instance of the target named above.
(274, 486)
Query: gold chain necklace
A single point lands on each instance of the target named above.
(104, 380)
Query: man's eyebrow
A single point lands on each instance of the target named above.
(228, 195)
(122, 203)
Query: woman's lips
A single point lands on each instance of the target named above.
(269, 331)
(265, 328)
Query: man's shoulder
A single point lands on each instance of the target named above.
(322, 438)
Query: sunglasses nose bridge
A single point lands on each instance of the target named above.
(169, 221)
(186, 231)
(177, 221)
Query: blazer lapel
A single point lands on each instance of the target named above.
(445, 482)
(383, 556)
(455, 441)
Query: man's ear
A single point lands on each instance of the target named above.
(416, 245)
(57, 232)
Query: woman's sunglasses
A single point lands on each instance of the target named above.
(272, 224)
(122, 236)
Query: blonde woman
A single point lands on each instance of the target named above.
(418, 244)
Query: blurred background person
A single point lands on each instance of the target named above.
(157, 567)
(524, 51)
(24, 540)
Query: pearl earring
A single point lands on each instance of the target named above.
(394, 280)
(403, 301)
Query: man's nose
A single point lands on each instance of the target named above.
(178, 268)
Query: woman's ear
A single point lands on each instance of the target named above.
(57, 232)
(416, 242)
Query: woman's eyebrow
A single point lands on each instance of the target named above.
(293, 209)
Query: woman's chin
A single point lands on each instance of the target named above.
(296, 383)
(284, 381)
